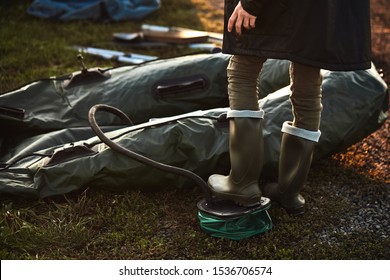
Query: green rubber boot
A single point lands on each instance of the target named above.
(246, 157)
(296, 154)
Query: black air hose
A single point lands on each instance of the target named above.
(147, 161)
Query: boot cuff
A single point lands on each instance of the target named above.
(245, 114)
(300, 132)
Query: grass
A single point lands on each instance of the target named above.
(159, 224)
(33, 48)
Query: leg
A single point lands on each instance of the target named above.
(243, 72)
(299, 139)
(306, 96)
(246, 135)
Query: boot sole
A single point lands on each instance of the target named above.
(273, 195)
(297, 211)
(241, 201)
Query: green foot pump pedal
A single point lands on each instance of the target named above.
(228, 220)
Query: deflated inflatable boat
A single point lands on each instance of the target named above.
(176, 107)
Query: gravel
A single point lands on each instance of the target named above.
(367, 214)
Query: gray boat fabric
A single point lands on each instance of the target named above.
(56, 122)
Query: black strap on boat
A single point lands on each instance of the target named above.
(180, 85)
(17, 113)
(7, 166)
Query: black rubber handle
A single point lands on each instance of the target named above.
(180, 85)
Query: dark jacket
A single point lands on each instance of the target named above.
(329, 34)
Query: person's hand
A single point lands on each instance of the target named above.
(241, 18)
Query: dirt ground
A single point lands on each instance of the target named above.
(371, 156)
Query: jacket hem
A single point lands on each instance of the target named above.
(363, 65)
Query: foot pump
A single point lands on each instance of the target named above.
(217, 218)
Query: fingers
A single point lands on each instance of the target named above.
(252, 22)
(240, 18)
(232, 21)
(238, 25)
